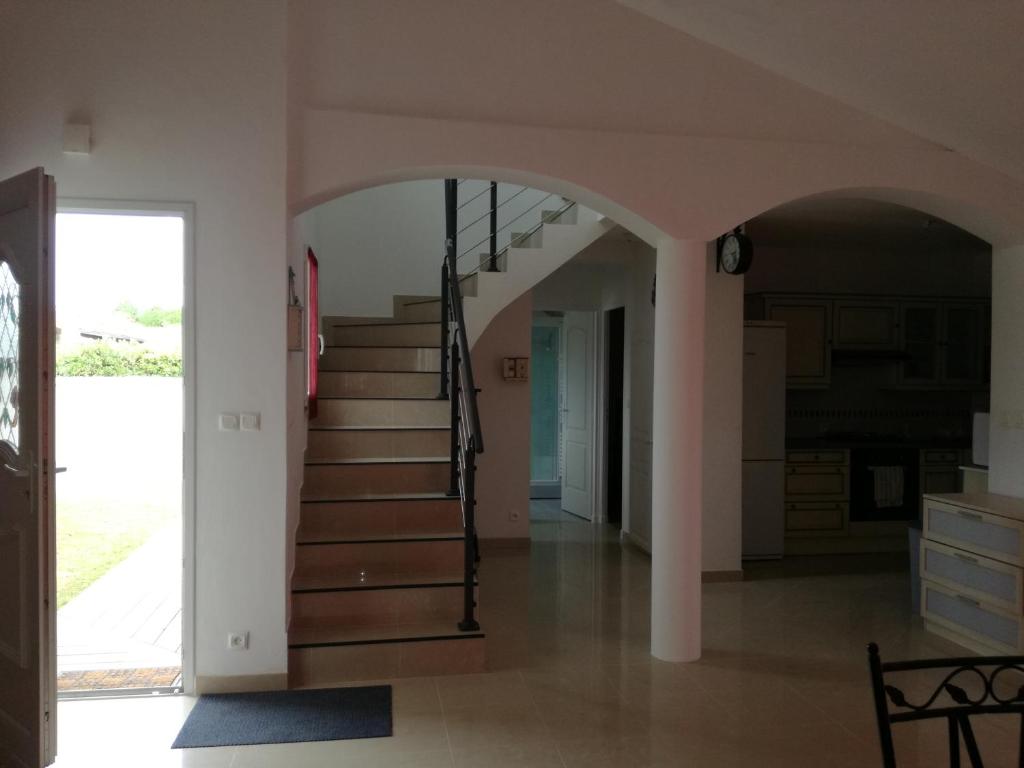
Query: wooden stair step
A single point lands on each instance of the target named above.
(381, 358)
(375, 518)
(354, 497)
(338, 656)
(354, 581)
(400, 538)
(379, 384)
(397, 334)
(380, 460)
(315, 637)
(376, 476)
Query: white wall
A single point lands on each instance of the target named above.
(389, 240)
(187, 103)
(503, 470)
(1006, 442)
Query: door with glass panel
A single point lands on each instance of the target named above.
(27, 591)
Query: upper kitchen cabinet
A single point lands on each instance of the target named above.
(865, 325)
(945, 344)
(808, 338)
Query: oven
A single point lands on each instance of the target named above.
(871, 504)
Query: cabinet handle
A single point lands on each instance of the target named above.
(966, 558)
(970, 515)
(969, 600)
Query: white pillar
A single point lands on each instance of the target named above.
(677, 463)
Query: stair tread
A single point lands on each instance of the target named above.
(381, 428)
(386, 324)
(382, 346)
(435, 496)
(382, 460)
(384, 538)
(336, 579)
(377, 371)
(341, 635)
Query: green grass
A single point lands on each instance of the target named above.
(94, 535)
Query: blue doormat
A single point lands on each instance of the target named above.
(278, 717)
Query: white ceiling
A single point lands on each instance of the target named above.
(947, 70)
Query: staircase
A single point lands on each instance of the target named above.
(564, 230)
(385, 577)
(378, 585)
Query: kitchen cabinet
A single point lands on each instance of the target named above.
(860, 324)
(817, 492)
(945, 344)
(972, 582)
(808, 338)
(939, 470)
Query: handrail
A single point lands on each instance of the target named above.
(458, 384)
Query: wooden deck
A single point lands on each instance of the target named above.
(130, 619)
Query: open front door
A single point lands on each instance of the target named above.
(578, 414)
(27, 583)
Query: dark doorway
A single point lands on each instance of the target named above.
(616, 373)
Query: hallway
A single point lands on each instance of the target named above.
(783, 680)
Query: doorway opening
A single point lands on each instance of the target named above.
(123, 442)
(546, 417)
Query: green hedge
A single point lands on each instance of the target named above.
(104, 360)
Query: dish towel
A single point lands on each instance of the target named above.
(888, 486)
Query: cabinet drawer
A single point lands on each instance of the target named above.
(940, 457)
(817, 481)
(979, 621)
(816, 457)
(990, 581)
(815, 517)
(989, 535)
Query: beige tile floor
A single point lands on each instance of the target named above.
(782, 682)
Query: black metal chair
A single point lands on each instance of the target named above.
(982, 674)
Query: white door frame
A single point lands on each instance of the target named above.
(187, 212)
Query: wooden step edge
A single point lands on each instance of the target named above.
(377, 371)
(378, 461)
(387, 324)
(454, 634)
(382, 428)
(402, 538)
(410, 398)
(383, 346)
(448, 584)
(374, 498)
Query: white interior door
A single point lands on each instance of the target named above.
(27, 590)
(578, 414)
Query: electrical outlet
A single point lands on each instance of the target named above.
(513, 515)
(238, 641)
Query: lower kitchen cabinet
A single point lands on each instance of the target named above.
(972, 570)
(817, 492)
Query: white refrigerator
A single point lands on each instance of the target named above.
(764, 439)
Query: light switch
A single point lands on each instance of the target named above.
(523, 368)
(250, 422)
(228, 422)
(508, 368)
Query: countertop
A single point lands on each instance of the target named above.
(834, 443)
